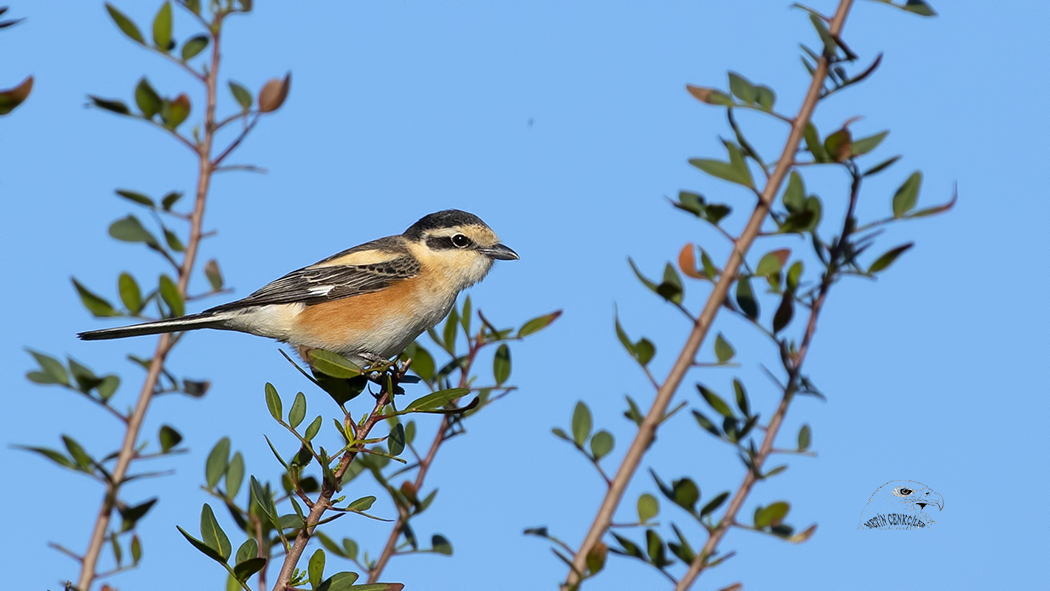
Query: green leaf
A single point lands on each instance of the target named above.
(682, 549)
(706, 424)
(136, 550)
(202, 547)
(722, 170)
(436, 400)
(169, 292)
(174, 112)
(55, 456)
(312, 429)
(451, 328)
(785, 312)
(298, 411)
(95, 304)
(150, 104)
(839, 145)
(795, 195)
(770, 264)
(136, 197)
(765, 97)
(396, 441)
(273, 402)
(794, 274)
(723, 350)
(245, 569)
(173, 241)
(736, 159)
(742, 88)
(745, 298)
(130, 294)
(76, 451)
(501, 364)
(537, 324)
(422, 361)
(881, 166)
(814, 145)
(315, 568)
(907, 195)
(829, 42)
(581, 423)
(645, 280)
(117, 107)
(887, 259)
(642, 351)
(633, 412)
(344, 581)
(655, 548)
(671, 289)
(648, 507)
(213, 535)
(804, 438)
(193, 46)
(867, 144)
(441, 545)
(362, 504)
(683, 492)
(211, 271)
(710, 96)
(217, 462)
(85, 378)
(716, 402)
(162, 28)
(714, 504)
(601, 444)
(741, 398)
(629, 547)
(333, 364)
(53, 370)
(264, 499)
(108, 387)
(919, 7)
(249, 549)
(169, 438)
(130, 229)
(241, 95)
(125, 24)
(771, 515)
(234, 475)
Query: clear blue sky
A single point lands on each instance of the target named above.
(934, 373)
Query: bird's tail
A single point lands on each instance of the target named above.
(191, 322)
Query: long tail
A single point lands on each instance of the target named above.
(191, 322)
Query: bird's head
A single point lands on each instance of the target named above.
(911, 495)
(457, 244)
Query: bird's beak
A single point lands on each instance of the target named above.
(933, 498)
(499, 252)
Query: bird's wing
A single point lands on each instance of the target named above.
(317, 284)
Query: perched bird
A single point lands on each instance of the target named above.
(367, 303)
(900, 504)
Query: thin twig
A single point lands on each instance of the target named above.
(324, 500)
(794, 365)
(424, 465)
(164, 345)
(647, 430)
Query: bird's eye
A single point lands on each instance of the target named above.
(903, 492)
(461, 241)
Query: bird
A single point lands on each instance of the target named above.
(900, 504)
(366, 303)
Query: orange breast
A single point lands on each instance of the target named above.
(337, 324)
